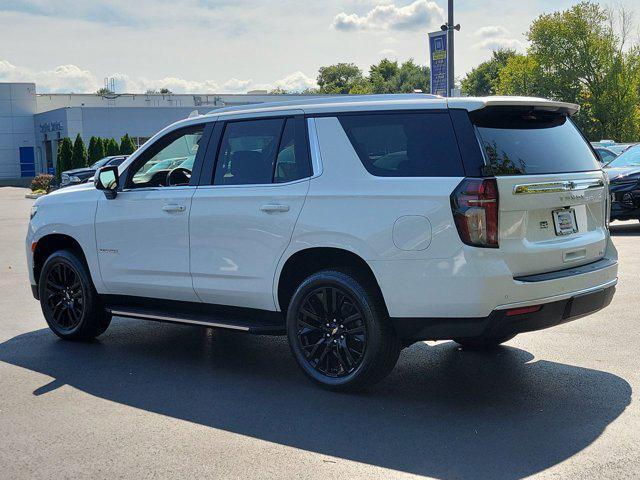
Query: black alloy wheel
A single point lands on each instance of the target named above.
(331, 331)
(70, 304)
(64, 296)
(339, 330)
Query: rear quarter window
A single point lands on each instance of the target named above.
(405, 144)
(528, 141)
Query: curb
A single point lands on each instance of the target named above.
(33, 196)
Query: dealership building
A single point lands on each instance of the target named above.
(32, 124)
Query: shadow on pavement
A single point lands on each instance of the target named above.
(443, 412)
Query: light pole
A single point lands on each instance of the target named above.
(450, 27)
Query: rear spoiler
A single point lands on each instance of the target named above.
(477, 103)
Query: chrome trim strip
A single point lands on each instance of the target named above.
(556, 298)
(559, 186)
(314, 146)
(147, 316)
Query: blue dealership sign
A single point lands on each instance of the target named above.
(439, 63)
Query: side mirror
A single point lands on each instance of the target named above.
(106, 179)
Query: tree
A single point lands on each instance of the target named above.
(338, 78)
(101, 148)
(79, 157)
(64, 157)
(112, 147)
(389, 77)
(411, 77)
(127, 147)
(104, 91)
(165, 91)
(278, 91)
(95, 151)
(483, 79)
(584, 59)
(521, 76)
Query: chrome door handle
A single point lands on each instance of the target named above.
(274, 208)
(174, 208)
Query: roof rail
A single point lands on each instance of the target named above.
(324, 100)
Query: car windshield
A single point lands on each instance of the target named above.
(630, 158)
(100, 163)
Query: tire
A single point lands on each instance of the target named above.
(482, 343)
(69, 301)
(358, 348)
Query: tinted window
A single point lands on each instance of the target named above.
(519, 141)
(291, 163)
(248, 152)
(405, 144)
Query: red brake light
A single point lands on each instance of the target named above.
(474, 204)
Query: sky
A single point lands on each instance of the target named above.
(232, 46)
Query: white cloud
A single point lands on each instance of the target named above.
(499, 43)
(388, 52)
(296, 82)
(63, 78)
(494, 37)
(71, 78)
(492, 31)
(420, 14)
(235, 85)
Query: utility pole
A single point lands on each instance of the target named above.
(449, 27)
(451, 70)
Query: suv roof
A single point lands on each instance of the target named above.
(347, 103)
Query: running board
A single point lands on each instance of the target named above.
(210, 316)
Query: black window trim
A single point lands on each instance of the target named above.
(206, 177)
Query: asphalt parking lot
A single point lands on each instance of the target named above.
(150, 400)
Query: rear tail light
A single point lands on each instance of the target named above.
(474, 204)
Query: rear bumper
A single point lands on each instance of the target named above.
(499, 323)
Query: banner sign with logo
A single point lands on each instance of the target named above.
(439, 67)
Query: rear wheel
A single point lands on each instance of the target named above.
(482, 343)
(339, 331)
(69, 301)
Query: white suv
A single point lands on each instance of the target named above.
(356, 226)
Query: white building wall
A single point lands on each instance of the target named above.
(17, 107)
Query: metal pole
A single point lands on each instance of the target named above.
(450, 69)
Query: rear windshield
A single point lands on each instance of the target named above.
(405, 144)
(525, 141)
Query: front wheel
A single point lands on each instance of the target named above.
(339, 331)
(69, 300)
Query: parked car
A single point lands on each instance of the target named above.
(356, 226)
(82, 175)
(605, 155)
(624, 185)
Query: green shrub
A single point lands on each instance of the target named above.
(79, 157)
(41, 183)
(127, 147)
(65, 152)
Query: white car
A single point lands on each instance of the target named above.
(357, 226)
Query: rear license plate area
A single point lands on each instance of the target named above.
(564, 221)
